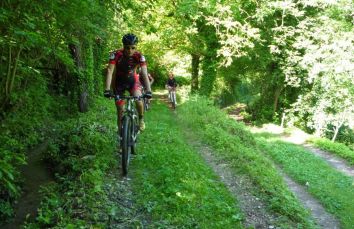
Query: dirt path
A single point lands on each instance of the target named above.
(318, 212)
(35, 174)
(124, 213)
(255, 213)
(336, 162)
(299, 138)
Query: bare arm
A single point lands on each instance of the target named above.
(145, 78)
(151, 80)
(110, 71)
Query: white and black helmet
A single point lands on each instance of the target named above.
(130, 39)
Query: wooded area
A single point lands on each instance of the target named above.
(281, 58)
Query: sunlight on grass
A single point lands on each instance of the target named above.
(293, 135)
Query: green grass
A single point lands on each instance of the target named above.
(339, 149)
(174, 184)
(333, 189)
(238, 147)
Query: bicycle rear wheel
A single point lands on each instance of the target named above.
(126, 148)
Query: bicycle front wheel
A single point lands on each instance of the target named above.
(126, 148)
(134, 134)
(173, 100)
(146, 104)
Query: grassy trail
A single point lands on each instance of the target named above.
(173, 185)
(176, 186)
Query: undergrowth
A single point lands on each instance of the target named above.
(81, 152)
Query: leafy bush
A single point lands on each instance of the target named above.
(21, 129)
(82, 150)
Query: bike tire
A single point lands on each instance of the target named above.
(173, 100)
(146, 104)
(126, 149)
(134, 135)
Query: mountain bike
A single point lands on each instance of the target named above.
(129, 129)
(172, 96)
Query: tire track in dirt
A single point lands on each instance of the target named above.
(124, 212)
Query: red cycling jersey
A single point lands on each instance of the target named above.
(126, 66)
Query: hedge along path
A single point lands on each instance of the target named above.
(172, 181)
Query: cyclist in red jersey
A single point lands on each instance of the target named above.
(124, 63)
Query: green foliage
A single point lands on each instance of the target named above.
(81, 152)
(232, 142)
(182, 81)
(36, 65)
(172, 181)
(339, 149)
(20, 131)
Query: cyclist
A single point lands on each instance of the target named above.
(171, 84)
(151, 79)
(124, 62)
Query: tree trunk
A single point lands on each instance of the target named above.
(209, 75)
(83, 90)
(195, 73)
(276, 99)
(336, 130)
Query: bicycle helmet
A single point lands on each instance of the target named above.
(129, 39)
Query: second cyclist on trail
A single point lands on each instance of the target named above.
(171, 85)
(125, 63)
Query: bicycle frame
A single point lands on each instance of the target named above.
(172, 96)
(129, 129)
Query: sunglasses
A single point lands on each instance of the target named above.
(129, 47)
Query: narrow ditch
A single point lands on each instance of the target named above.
(35, 174)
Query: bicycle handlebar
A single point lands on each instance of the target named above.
(118, 97)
